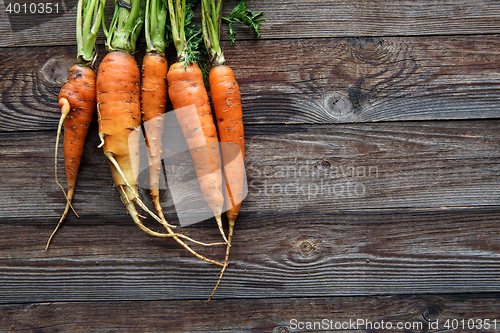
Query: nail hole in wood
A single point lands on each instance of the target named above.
(430, 314)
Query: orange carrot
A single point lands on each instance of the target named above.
(119, 110)
(154, 91)
(77, 100)
(226, 99)
(119, 107)
(79, 91)
(185, 89)
(154, 101)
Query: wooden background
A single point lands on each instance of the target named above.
(373, 164)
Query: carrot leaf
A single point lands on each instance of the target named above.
(242, 15)
(185, 34)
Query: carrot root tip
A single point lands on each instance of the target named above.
(110, 157)
(101, 137)
(221, 229)
(65, 109)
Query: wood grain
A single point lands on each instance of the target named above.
(247, 315)
(291, 19)
(384, 252)
(421, 217)
(342, 81)
(291, 169)
(368, 79)
(373, 147)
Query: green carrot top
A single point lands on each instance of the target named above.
(211, 22)
(88, 20)
(186, 37)
(155, 25)
(126, 25)
(242, 15)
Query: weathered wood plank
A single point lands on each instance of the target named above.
(291, 169)
(305, 81)
(292, 19)
(247, 315)
(424, 219)
(384, 252)
(368, 79)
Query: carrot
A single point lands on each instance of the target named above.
(154, 92)
(118, 103)
(154, 101)
(226, 99)
(119, 115)
(119, 107)
(153, 98)
(185, 89)
(77, 99)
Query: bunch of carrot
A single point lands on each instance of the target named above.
(123, 101)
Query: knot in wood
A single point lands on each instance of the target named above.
(325, 164)
(281, 329)
(55, 70)
(337, 105)
(306, 246)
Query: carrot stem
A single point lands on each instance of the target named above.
(89, 17)
(155, 26)
(126, 25)
(211, 21)
(184, 34)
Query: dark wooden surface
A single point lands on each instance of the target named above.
(373, 165)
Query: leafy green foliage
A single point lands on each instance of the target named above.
(194, 51)
(242, 15)
(188, 34)
(126, 24)
(194, 38)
